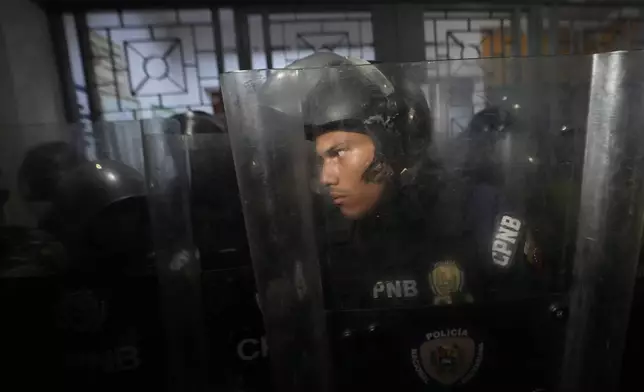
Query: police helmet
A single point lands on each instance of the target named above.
(491, 121)
(198, 122)
(483, 144)
(43, 167)
(93, 186)
(101, 214)
(356, 96)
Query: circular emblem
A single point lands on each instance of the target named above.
(448, 357)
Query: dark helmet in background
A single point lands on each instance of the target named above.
(202, 157)
(217, 220)
(483, 143)
(94, 186)
(210, 154)
(492, 122)
(102, 215)
(197, 122)
(43, 167)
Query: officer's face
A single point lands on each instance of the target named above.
(344, 158)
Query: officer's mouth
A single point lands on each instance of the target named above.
(338, 199)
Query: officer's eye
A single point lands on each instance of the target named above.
(337, 152)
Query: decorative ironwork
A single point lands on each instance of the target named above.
(149, 63)
(155, 67)
(458, 35)
(551, 30)
(152, 63)
(324, 41)
(600, 29)
(155, 62)
(463, 35)
(293, 36)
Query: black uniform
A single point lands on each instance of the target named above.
(439, 286)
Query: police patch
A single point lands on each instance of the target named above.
(448, 356)
(446, 279)
(506, 239)
(81, 312)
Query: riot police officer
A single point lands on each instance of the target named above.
(91, 306)
(437, 259)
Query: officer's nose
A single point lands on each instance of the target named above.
(329, 174)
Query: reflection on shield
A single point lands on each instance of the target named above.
(447, 360)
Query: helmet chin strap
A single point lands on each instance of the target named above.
(378, 171)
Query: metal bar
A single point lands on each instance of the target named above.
(156, 25)
(515, 26)
(85, 48)
(284, 51)
(490, 36)
(307, 8)
(580, 43)
(321, 20)
(435, 28)
(219, 46)
(610, 226)
(117, 93)
(629, 35)
(242, 39)
(61, 54)
(193, 31)
(534, 31)
(266, 33)
(410, 26)
(447, 47)
(553, 31)
(502, 37)
(385, 37)
(360, 40)
(571, 34)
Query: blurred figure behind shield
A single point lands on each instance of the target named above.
(233, 320)
(218, 223)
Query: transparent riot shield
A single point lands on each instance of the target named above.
(80, 289)
(208, 292)
(470, 224)
(177, 261)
